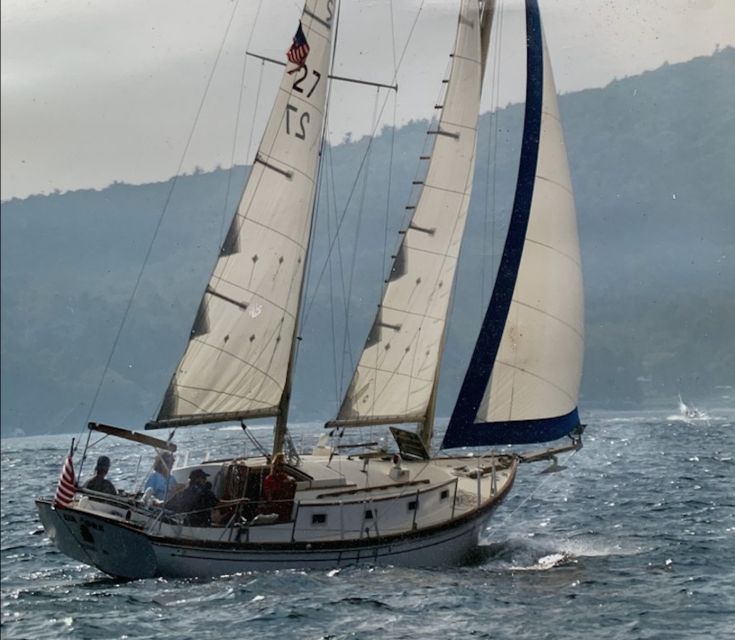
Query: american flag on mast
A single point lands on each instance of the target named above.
(67, 484)
(299, 49)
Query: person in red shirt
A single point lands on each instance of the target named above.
(279, 489)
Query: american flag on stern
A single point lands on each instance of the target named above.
(299, 49)
(67, 484)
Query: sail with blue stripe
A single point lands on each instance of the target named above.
(523, 379)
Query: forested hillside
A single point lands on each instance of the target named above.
(653, 165)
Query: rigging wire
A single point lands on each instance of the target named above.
(332, 306)
(346, 343)
(226, 208)
(238, 111)
(392, 143)
(164, 210)
(228, 187)
(255, 109)
(336, 265)
(324, 150)
(328, 262)
(497, 525)
(385, 264)
(307, 309)
(492, 167)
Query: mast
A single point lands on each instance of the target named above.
(280, 428)
(486, 27)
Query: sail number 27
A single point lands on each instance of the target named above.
(302, 76)
(304, 117)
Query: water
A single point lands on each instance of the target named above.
(635, 539)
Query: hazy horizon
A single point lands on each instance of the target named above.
(97, 93)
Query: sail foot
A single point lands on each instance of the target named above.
(370, 421)
(510, 432)
(210, 418)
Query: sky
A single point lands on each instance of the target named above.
(134, 91)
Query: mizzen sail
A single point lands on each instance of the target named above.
(523, 380)
(237, 361)
(396, 374)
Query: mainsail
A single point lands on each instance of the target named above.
(238, 359)
(396, 375)
(523, 379)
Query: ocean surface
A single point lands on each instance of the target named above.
(634, 539)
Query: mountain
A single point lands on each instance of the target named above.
(652, 160)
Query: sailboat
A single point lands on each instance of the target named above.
(690, 412)
(410, 504)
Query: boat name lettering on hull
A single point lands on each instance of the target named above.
(93, 525)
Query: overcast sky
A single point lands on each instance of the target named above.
(94, 92)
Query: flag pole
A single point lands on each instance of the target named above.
(71, 455)
(67, 485)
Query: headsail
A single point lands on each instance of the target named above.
(237, 362)
(395, 377)
(523, 379)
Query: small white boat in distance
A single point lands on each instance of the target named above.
(690, 412)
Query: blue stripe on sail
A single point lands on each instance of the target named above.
(510, 432)
(486, 349)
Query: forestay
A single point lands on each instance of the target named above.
(395, 377)
(523, 380)
(237, 361)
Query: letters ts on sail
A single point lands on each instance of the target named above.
(299, 49)
(67, 486)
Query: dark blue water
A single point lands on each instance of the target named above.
(635, 539)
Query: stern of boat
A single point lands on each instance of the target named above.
(115, 548)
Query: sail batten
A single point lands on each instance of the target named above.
(395, 378)
(239, 355)
(523, 380)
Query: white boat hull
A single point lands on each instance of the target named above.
(124, 552)
(446, 548)
(124, 549)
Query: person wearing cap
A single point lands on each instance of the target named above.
(98, 482)
(196, 500)
(160, 481)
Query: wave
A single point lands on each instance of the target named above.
(521, 554)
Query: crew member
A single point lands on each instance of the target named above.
(161, 482)
(99, 482)
(196, 500)
(279, 489)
